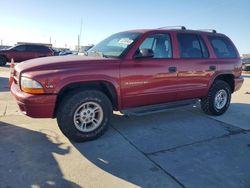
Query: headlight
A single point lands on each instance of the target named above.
(31, 86)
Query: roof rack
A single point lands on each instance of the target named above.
(209, 30)
(173, 27)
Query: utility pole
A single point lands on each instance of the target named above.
(79, 37)
(1, 42)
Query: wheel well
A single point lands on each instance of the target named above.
(229, 78)
(105, 87)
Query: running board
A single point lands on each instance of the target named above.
(144, 110)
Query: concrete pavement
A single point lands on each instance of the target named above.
(177, 148)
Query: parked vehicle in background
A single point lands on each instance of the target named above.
(65, 52)
(136, 72)
(84, 49)
(24, 52)
(246, 64)
(55, 51)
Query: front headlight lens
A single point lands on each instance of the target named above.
(31, 86)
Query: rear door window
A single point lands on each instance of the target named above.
(191, 46)
(222, 47)
(36, 48)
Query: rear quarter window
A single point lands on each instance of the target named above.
(223, 48)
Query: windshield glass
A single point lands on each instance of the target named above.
(115, 45)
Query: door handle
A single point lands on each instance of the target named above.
(212, 67)
(172, 69)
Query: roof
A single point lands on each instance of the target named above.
(207, 31)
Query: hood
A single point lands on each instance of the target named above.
(59, 62)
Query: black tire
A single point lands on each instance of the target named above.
(208, 102)
(70, 104)
(3, 61)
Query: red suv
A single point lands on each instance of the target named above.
(24, 52)
(135, 72)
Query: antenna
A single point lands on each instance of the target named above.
(173, 27)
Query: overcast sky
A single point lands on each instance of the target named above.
(60, 20)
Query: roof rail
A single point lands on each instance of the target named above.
(173, 27)
(209, 30)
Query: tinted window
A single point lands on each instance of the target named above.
(160, 44)
(42, 48)
(192, 46)
(36, 48)
(31, 48)
(222, 47)
(20, 48)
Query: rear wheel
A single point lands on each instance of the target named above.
(218, 98)
(84, 115)
(3, 61)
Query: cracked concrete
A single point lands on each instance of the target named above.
(170, 149)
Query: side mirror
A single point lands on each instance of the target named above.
(144, 52)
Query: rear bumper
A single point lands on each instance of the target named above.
(238, 83)
(36, 106)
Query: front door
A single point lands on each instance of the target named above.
(150, 80)
(20, 53)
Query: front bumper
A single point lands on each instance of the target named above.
(238, 82)
(36, 106)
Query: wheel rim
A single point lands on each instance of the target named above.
(220, 99)
(88, 116)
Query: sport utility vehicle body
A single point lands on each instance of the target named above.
(136, 72)
(24, 52)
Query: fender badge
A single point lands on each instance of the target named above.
(49, 86)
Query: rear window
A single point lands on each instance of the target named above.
(192, 46)
(222, 47)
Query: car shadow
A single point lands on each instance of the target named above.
(26, 159)
(115, 151)
(237, 115)
(4, 84)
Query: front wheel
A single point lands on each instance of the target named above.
(84, 115)
(218, 99)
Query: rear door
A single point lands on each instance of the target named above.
(33, 51)
(194, 67)
(150, 80)
(42, 51)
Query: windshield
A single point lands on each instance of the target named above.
(115, 45)
(12, 47)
